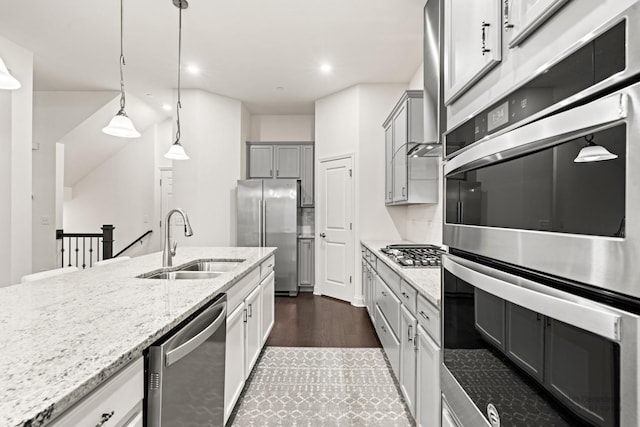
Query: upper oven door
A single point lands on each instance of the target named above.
(522, 198)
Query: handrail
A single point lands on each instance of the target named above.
(139, 239)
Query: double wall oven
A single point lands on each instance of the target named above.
(541, 289)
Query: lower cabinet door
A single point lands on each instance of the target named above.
(408, 358)
(268, 301)
(234, 359)
(253, 328)
(428, 393)
(119, 399)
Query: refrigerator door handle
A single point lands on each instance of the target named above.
(260, 230)
(264, 223)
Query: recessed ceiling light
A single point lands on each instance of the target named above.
(326, 68)
(166, 107)
(193, 69)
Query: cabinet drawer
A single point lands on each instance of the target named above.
(239, 291)
(121, 395)
(408, 296)
(389, 276)
(389, 341)
(389, 305)
(267, 267)
(429, 318)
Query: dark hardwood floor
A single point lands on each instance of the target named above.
(314, 321)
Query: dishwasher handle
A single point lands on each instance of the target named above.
(178, 353)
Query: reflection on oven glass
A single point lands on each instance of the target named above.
(537, 371)
(546, 190)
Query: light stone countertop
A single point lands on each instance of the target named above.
(425, 280)
(61, 337)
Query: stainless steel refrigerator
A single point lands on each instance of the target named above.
(267, 216)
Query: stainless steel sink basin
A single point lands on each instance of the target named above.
(216, 266)
(183, 275)
(199, 269)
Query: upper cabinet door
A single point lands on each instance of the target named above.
(261, 161)
(523, 17)
(472, 42)
(400, 151)
(388, 166)
(306, 175)
(288, 161)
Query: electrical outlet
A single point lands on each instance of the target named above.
(145, 219)
(44, 220)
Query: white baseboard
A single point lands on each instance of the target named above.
(358, 302)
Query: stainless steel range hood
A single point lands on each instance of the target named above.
(434, 110)
(425, 149)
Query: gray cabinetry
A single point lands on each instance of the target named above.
(388, 165)
(408, 180)
(261, 161)
(490, 319)
(283, 161)
(305, 262)
(525, 339)
(306, 175)
(407, 380)
(287, 161)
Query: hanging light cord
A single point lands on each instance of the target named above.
(179, 105)
(122, 63)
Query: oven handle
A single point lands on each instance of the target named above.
(536, 297)
(550, 131)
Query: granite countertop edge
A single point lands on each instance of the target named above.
(43, 413)
(425, 280)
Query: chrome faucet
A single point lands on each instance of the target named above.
(169, 250)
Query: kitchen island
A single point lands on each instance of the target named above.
(62, 337)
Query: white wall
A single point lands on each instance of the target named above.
(282, 127)
(204, 186)
(120, 191)
(54, 115)
(424, 222)
(16, 118)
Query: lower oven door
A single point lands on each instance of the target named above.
(520, 353)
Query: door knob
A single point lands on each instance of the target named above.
(323, 235)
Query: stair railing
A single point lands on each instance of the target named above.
(81, 247)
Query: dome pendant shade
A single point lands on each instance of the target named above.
(594, 153)
(121, 126)
(176, 152)
(7, 81)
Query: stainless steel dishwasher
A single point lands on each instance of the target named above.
(185, 372)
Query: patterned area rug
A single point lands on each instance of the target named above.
(310, 386)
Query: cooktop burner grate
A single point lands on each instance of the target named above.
(415, 255)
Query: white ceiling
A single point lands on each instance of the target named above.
(244, 48)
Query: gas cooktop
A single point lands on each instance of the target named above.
(414, 255)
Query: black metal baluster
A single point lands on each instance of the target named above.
(84, 253)
(77, 250)
(69, 252)
(90, 251)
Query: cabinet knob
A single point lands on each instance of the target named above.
(105, 417)
(323, 235)
(422, 313)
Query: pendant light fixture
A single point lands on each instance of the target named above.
(121, 125)
(7, 81)
(176, 152)
(593, 152)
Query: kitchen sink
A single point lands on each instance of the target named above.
(194, 270)
(216, 266)
(183, 275)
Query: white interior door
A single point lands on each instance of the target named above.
(335, 187)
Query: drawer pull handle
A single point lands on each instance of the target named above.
(105, 417)
(384, 294)
(270, 266)
(484, 26)
(409, 333)
(244, 315)
(250, 310)
(422, 313)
